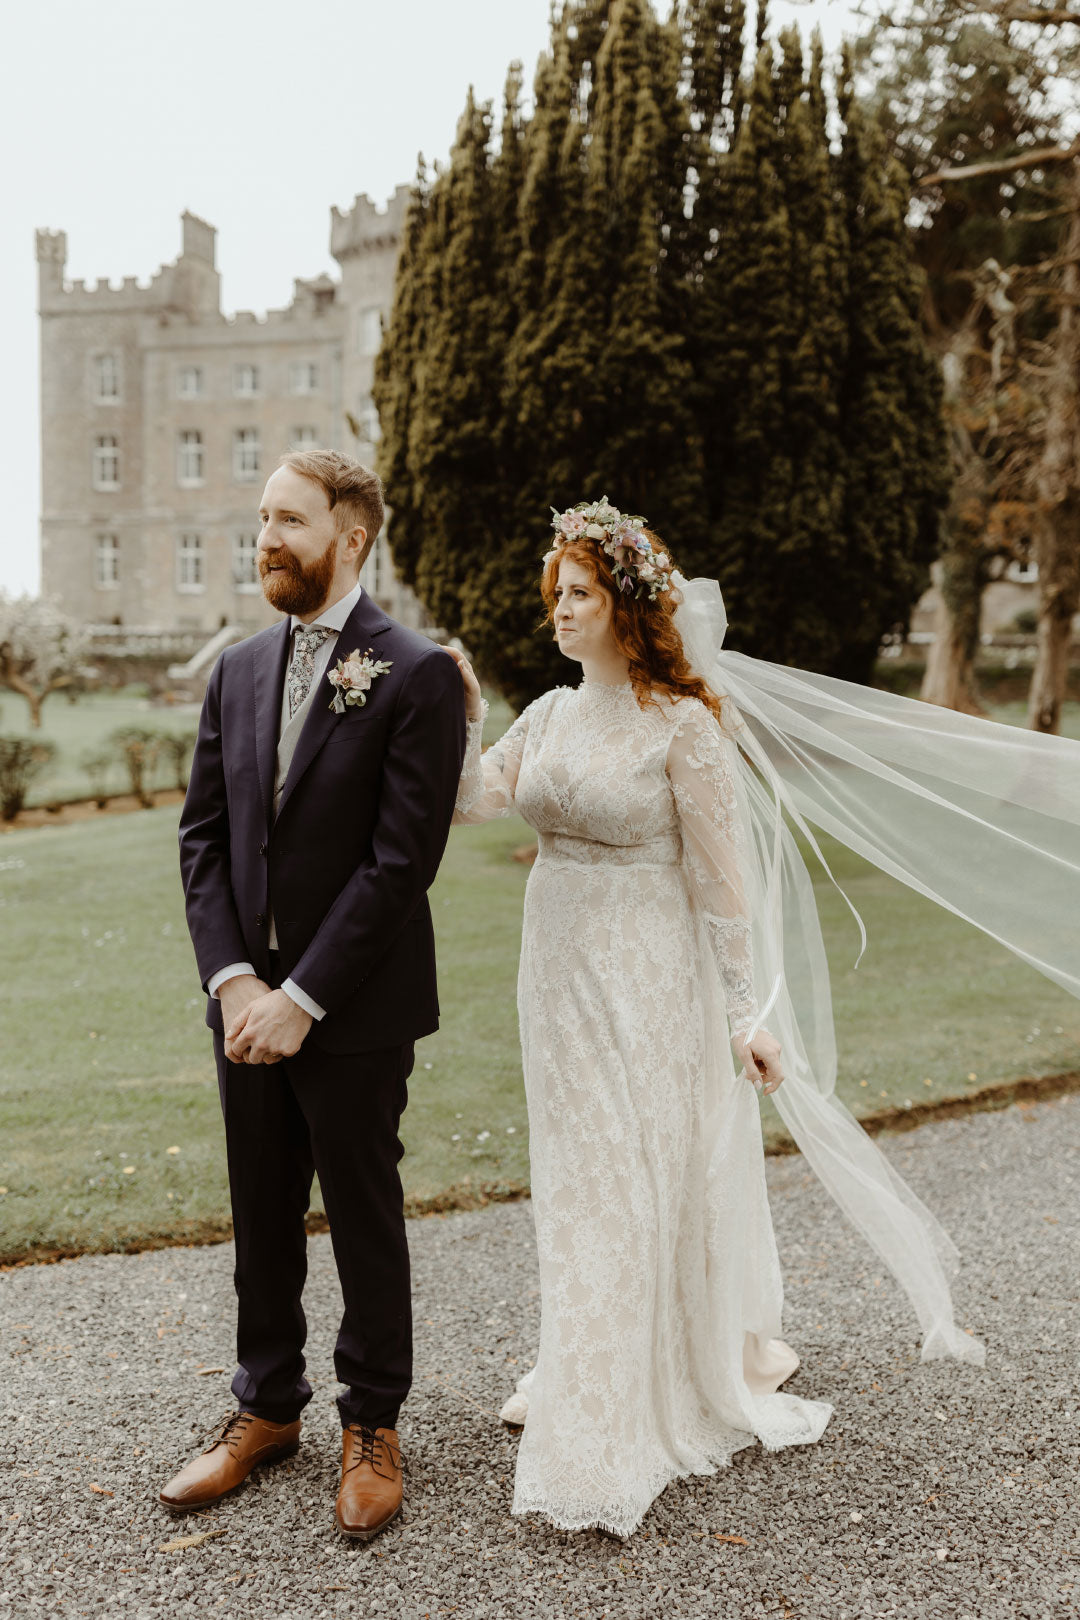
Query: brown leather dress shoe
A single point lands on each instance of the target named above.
(370, 1494)
(240, 1443)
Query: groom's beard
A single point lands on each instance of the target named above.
(292, 587)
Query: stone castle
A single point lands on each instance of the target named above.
(161, 419)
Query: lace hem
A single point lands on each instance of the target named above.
(574, 1498)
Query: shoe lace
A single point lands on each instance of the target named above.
(228, 1430)
(367, 1453)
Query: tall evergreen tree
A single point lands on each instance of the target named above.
(657, 294)
(897, 480)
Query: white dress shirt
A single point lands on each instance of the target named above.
(333, 619)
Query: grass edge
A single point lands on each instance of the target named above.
(463, 1196)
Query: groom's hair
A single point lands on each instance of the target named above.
(354, 492)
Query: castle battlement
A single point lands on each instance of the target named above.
(365, 226)
(190, 283)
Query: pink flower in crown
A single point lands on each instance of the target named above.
(572, 524)
(627, 534)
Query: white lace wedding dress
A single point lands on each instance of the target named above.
(660, 1285)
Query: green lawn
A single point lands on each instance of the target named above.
(84, 725)
(105, 1063)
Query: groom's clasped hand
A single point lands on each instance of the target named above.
(261, 1025)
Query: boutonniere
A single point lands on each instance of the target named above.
(353, 677)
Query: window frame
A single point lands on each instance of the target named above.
(99, 359)
(367, 318)
(187, 553)
(106, 447)
(299, 388)
(190, 480)
(198, 392)
(241, 444)
(240, 369)
(107, 547)
(245, 587)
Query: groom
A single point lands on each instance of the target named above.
(321, 792)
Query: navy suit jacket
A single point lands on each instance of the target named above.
(360, 830)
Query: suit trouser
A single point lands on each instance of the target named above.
(338, 1115)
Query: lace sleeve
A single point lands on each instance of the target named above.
(488, 780)
(700, 769)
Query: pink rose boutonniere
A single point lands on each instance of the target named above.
(353, 677)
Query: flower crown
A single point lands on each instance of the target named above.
(639, 570)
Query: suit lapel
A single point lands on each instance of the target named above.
(364, 623)
(268, 671)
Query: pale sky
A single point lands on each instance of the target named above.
(117, 116)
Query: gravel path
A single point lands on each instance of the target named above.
(937, 1491)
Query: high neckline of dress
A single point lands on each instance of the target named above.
(605, 692)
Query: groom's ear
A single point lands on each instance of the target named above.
(358, 546)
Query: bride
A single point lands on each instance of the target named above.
(667, 914)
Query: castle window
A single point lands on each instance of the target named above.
(304, 438)
(106, 562)
(190, 563)
(246, 561)
(107, 378)
(189, 382)
(246, 455)
(245, 381)
(369, 330)
(367, 421)
(106, 469)
(377, 573)
(190, 459)
(303, 377)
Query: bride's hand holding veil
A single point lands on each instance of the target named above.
(761, 1060)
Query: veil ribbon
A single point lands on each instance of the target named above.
(983, 819)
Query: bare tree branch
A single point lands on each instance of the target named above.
(1024, 160)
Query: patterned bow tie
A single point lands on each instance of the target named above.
(309, 638)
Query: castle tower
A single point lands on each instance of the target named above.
(51, 249)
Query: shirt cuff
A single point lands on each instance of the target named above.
(233, 971)
(302, 999)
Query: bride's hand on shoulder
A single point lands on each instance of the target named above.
(474, 698)
(761, 1060)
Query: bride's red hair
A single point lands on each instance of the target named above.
(643, 631)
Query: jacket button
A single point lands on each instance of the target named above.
(260, 920)
(262, 849)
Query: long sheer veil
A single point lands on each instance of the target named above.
(979, 817)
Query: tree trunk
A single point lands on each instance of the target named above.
(961, 578)
(1057, 489)
(14, 681)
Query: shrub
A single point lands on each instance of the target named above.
(138, 750)
(97, 762)
(20, 761)
(177, 746)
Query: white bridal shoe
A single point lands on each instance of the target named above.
(514, 1410)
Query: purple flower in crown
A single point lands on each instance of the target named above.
(637, 569)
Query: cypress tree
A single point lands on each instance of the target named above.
(663, 287)
(897, 480)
